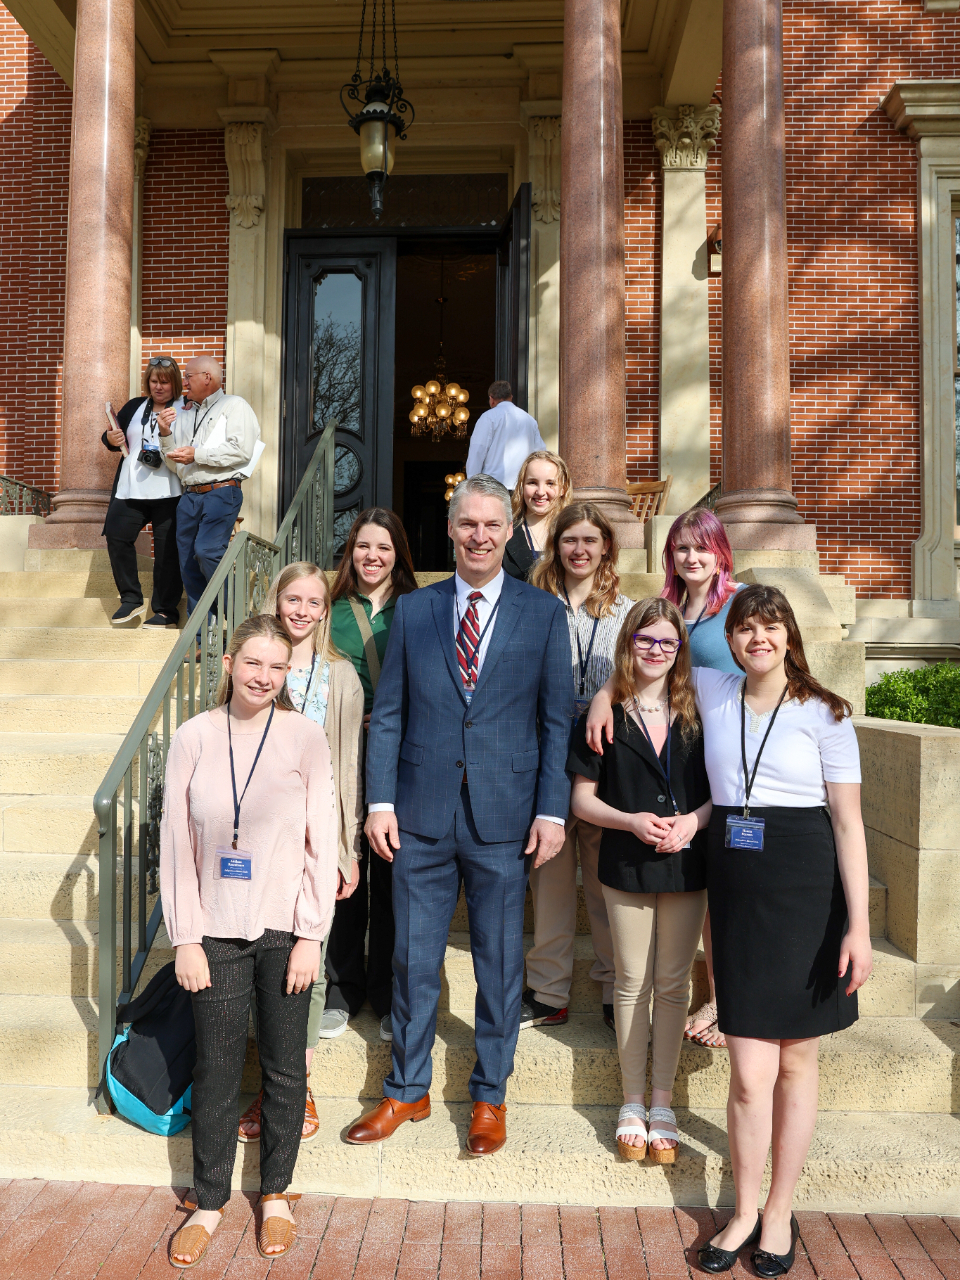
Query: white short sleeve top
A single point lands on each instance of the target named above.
(806, 749)
(136, 480)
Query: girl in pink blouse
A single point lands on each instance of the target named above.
(248, 877)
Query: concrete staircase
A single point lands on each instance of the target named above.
(887, 1138)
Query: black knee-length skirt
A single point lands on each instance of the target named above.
(777, 918)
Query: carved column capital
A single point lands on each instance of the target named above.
(141, 145)
(244, 146)
(685, 135)
(545, 167)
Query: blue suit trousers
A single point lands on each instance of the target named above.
(426, 874)
(204, 524)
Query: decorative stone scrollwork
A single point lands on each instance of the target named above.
(685, 135)
(141, 145)
(545, 167)
(244, 151)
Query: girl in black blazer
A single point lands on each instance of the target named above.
(542, 490)
(649, 791)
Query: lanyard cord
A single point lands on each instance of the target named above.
(198, 425)
(306, 692)
(748, 784)
(691, 630)
(665, 773)
(473, 662)
(584, 661)
(534, 550)
(233, 777)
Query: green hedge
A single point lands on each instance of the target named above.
(928, 696)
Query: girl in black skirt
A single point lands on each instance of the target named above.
(787, 886)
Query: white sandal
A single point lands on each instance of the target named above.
(637, 1113)
(667, 1155)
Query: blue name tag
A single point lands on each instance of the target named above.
(233, 868)
(744, 833)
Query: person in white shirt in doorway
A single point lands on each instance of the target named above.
(503, 438)
(211, 443)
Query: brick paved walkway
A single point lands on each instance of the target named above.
(82, 1230)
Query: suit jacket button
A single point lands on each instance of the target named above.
(468, 724)
(459, 764)
(662, 799)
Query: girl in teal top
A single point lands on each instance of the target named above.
(698, 563)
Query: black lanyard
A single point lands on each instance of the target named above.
(534, 551)
(473, 661)
(691, 630)
(584, 661)
(664, 773)
(233, 777)
(749, 779)
(198, 425)
(306, 692)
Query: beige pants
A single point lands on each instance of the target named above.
(655, 939)
(554, 890)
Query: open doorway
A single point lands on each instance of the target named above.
(462, 331)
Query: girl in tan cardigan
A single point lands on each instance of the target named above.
(323, 686)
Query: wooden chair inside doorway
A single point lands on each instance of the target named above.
(649, 497)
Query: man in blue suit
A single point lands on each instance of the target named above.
(466, 775)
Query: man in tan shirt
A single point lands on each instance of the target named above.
(209, 445)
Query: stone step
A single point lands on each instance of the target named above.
(45, 584)
(62, 611)
(55, 763)
(47, 676)
(43, 639)
(61, 957)
(67, 714)
(858, 1163)
(74, 560)
(52, 886)
(47, 824)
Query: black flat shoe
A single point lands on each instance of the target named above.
(777, 1264)
(712, 1258)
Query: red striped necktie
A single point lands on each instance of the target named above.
(468, 641)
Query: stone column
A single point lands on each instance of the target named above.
(684, 137)
(141, 150)
(96, 344)
(544, 170)
(592, 346)
(757, 506)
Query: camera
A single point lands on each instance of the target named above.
(150, 458)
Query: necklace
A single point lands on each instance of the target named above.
(651, 711)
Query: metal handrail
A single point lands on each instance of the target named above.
(235, 592)
(19, 499)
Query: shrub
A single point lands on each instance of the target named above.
(928, 696)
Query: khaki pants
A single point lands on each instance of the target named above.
(554, 890)
(655, 940)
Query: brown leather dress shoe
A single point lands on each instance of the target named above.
(488, 1129)
(384, 1120)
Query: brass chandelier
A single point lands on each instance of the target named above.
(440, 405)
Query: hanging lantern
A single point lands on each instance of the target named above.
(381, 119)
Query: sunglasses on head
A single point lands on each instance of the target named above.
(163, 361)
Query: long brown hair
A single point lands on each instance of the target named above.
(402, 574)
(260, 626)
(548, 572)
(679, 684)
(565, 484)
(323, 646)
(769, 604)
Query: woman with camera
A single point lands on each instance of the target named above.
(146, 491)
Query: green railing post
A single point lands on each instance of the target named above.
(106, 810)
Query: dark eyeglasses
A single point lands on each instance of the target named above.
(163, 361)
(646, 643)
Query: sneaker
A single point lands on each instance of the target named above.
(535, 1014)
(386, 1028)
(608, 1017)
(333, 1023)
(163, 620)
(127, 613)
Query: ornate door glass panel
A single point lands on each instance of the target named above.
(337, 350)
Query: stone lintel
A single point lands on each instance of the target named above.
(248, 71)
(923, 108)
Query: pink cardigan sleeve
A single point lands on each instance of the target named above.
(179, 876)
(313, 912)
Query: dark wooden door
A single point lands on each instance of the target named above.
(338, 363)
(513, 296)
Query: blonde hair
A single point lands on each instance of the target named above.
(679, 684)
(548, 573)
(323, 646)
(171, 374)
(563, 498)
(260, 627)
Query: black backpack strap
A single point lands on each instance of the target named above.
(159, 989)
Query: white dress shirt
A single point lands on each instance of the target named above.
(223, 431)
(490, 595)
(136, 480)
(502, 440)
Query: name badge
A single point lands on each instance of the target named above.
(233, 864)
(744, 833)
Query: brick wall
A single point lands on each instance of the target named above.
(186, 235)
(643, 191)
(35, 108)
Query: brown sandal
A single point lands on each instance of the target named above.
(311, 1120)
(251, 1116)
(706, 1013)
(277, 1231)
(188, 1239)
